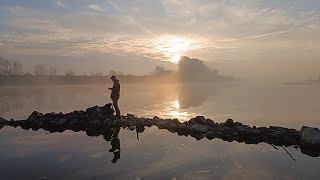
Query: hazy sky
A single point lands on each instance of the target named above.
(247, 38)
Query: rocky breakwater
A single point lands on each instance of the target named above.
(96, 120)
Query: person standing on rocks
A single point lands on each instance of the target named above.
(115, 94)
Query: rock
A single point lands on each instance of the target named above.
(35, 115)
(201, 120)
(61, 122)
(199, 128)
(96, 122)
(210, 135)
(310, 138)
(130, 115)
(2, 121)
(107, 110)
(210, 122)
(229, 122)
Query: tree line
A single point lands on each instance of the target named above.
(10, 67)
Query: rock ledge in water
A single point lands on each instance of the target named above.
(310, 138)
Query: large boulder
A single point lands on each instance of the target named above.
(2, 121)
(310, 138)
(199, 128)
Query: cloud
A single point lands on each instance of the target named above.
(59, 3)
(95, 7)
(146, 29)
(259, 35)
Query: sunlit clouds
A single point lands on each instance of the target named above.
(160, 30)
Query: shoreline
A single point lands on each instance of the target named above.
(95, 120)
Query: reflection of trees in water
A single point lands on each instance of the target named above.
(192, 95)
(24, 99)
(9, 104)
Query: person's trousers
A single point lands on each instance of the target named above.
(116, 107)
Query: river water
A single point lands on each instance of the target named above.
(159, 154)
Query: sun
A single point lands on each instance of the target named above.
(173, 47)
(175, 58)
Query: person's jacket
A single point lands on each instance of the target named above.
(115, 92)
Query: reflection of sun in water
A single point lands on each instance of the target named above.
(176, 104)
(174, 110)
(173, 47)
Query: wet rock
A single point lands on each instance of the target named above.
(229, 122)
(199, 128)
(96, 123)
(35, 115)
(198, 120)
(310, 138)
(310, 152)
(2, 121)
(210, 135)
(197, 136)
(61, 122)
(130, 116)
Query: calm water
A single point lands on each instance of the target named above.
(159, 154)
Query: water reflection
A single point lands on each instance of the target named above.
(192, 95)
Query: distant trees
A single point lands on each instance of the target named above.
(113, 72)
(40, 70)
(193, 69)
(52, 71)
(70, 72)
(8, 67)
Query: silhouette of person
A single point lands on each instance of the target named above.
(139, 129)
(115, 95)
(115, 145)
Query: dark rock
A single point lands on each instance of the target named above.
(2, 121)
(210, 135)
(310, 138)
(199, 128)
(130, 116)
(61, 122)
(310, 152)
(35, 115)
(229, 122)
(199, 120)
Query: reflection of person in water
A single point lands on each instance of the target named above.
(139, 129)
(115, 143)
(112, 135)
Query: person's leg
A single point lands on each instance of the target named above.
(116, 107)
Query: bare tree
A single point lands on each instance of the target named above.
(40, 70)
(159, 70)
(53, 71)
(112, 72)
(69, 72)
(4, 66)
(16, 68)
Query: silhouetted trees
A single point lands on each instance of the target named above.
(8, 67)
(52, 71)
(70, 72)
(40, 70)
(193, 69)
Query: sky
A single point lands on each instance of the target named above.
(270, 39)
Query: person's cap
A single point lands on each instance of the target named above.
(113, 77)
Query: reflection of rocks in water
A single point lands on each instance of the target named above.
(96, 121)
(192, 95)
